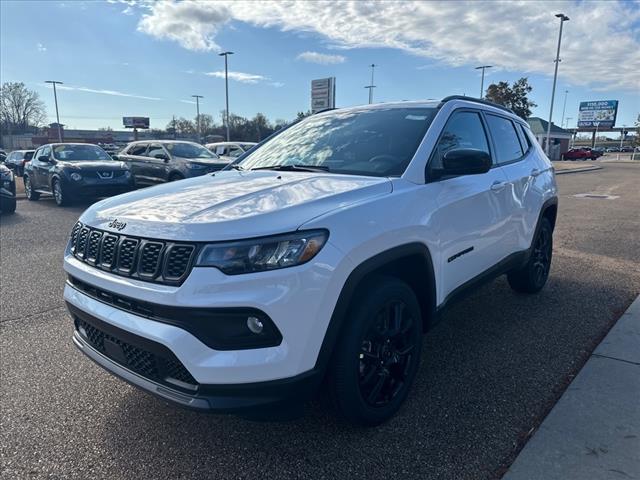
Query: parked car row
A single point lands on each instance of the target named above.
(71, 171)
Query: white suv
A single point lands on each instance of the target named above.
(323, 254)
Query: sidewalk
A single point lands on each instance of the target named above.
(593, 432)
(574, 167)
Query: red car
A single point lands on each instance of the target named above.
(581, 154)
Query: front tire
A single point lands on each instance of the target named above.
(533, 276)
(8, 205)
(378, 353)
(59, 195)
(31, 194)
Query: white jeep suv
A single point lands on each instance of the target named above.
(322, 254)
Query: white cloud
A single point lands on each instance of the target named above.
(239, 76)
(321, 58)
(602, 38)
(41, 48)
(192, 24)
(114, 93)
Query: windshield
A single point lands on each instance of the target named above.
(189, 150)
(72, 153)
(377, 142)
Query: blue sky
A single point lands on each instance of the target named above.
(159, 54)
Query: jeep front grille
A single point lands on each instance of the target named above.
(149, 260)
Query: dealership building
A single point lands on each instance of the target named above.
(559, 139)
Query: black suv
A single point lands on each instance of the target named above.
(7, 190)
(73, 170)
(161, 161)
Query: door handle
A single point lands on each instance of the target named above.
(497, 186)
(535, 172)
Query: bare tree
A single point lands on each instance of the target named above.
(20, 108)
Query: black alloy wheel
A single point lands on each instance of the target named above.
(533, 276)
(377, 353)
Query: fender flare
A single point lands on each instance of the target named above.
(350, 287)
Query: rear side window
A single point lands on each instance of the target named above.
(506, 140)
(463, 130)
(524, 140)
(138, 149)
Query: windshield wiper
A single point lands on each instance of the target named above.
(295, 168)
(236, 167)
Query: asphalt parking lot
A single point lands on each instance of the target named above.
(490, 371)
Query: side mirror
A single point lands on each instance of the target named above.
(115, 157)
(465, 161)
(44, 159)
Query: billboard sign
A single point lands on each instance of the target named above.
(323, 94)
(135, 122)
(601, 114)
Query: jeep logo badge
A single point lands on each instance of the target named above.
(116, 224)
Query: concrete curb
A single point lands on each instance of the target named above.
(578, 170)
(593, 432)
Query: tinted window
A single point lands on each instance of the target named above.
(463, 130)
(155, 149)
(137, 149)
(524, 140)
(377, 142)
(189, 150)
(505, 138)
(28, 156)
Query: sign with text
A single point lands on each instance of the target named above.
(135, 122)
(323, 94)
(600, 114)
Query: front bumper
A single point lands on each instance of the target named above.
(137, 356)
(90, 187)
(299, 300)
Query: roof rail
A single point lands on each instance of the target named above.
(474, 100)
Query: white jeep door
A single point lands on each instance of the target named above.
(473, 214)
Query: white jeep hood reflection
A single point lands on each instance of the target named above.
(232, 204)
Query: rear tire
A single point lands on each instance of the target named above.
(533, 276)
(377, 356)
(31, 194)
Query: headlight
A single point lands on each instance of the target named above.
(76, 176)
(260, 254)
(195, 166)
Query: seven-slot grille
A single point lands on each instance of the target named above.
(150, 260)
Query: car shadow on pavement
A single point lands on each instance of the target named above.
(488, 376)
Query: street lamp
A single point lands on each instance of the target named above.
(483, 68)
(564, 107)
(198, 97)
(563, 18)
(371, 86)
(226, 89)
(55, 99)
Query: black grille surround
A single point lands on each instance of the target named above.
(145, 357)
(150, 260)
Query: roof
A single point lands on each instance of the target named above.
(151, 140)
(222, 144)
(539, 127)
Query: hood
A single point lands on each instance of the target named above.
(232, 205)
(93, 165)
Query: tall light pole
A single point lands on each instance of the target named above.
(226, 89)
(483, 68)
(198, 97)
(371, 86)
(563, 18)
(55, 99)
(564, 107)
